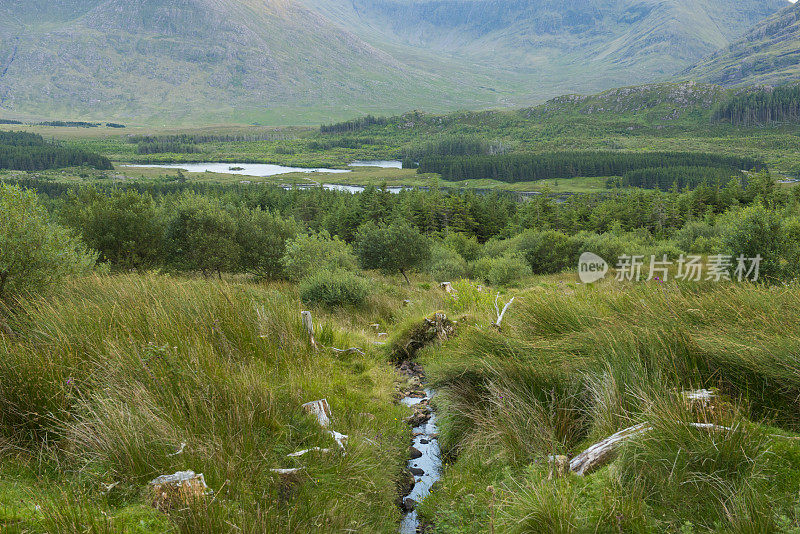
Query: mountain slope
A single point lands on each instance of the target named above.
(656, 33)
(300, 61)
(198, 58)
(769, 53)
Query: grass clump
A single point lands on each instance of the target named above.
(334, 288)
(108, 382)
(575, 364)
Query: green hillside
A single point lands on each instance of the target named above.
(205, 59)
(769, 54)
(279, 62)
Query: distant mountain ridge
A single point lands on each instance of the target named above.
(767, 54)
(300, 61)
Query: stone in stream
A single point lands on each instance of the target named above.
(409, 504)
(416, 471)
(405, 484)
(424, 441)
(418, 418)
(414, 453)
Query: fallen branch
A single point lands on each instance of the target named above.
(180, 450)
(500, 314)
(341, 439)
(291, 471)
(345, 352)
(606, 450)
(306, 451)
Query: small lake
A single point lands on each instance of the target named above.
(245, 169)
(384, 164)
(355, 188)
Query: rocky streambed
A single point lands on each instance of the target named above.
(424, 464)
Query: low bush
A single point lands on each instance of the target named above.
(547, 251)
(35, 253)
(445, 264)
(308, 253)
(334, 288)
(507, 270)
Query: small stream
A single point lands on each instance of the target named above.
(426, 468)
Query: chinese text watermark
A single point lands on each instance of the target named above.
(715, 268)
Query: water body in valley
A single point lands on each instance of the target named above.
(245, 169)
(384, 164)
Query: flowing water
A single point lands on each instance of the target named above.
(427, 442)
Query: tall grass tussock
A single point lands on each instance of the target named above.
(122, 379)
(575, 364)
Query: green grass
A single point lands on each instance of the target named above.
(109, 378)
(112, 373)
(575, 364)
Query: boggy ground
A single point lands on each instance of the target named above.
(574, 365)
(118, 379)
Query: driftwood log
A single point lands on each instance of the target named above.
(604, 451)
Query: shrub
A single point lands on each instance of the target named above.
(699, 237)
(445, 264)
(262, 237)
(123, 226)
(608, 245)
(751, 231)
(547, 251)
(394, 248)
(790, 243)
(497, 247)
(467, 247)
(479, 270)
(200, 236)
(508, 270)
(34, 253)
(334, 288)
(308, 253)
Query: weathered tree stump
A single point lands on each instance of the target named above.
(308, 323)
(321, 410)
(177, 490)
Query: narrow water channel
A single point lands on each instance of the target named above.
(426, 468)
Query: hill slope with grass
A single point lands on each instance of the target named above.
(281, 62)
(768, 54)
(165, 61)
